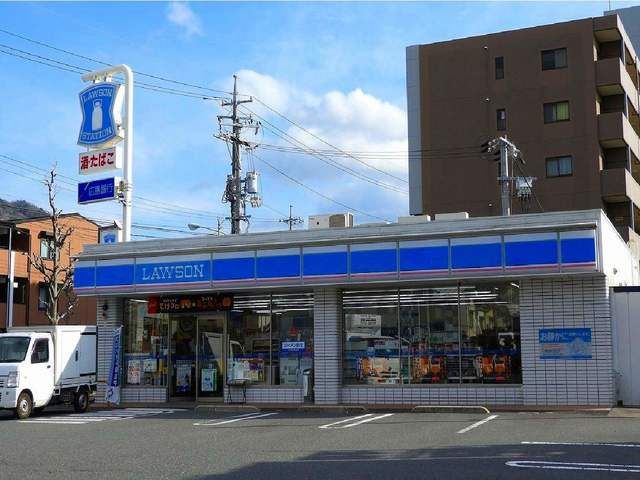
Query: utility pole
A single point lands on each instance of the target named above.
(291, 220)
(507, 151)
(235, 193)
(505, 182)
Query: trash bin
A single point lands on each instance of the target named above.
(307, 384)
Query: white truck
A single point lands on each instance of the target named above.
(42, 366)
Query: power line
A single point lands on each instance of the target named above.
(303, 185)
(273, 110)
(324, 158)
(100, 62)
(50, 62)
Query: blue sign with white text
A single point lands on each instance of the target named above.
(565, 343)
(292, 347)
(97, 190)
(98, 124)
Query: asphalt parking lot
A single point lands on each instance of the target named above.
(154, 443)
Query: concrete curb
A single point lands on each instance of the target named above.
(451, 409)
(345, 409)
(227, 408)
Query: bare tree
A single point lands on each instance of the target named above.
(58, 277)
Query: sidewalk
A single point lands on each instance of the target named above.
(310, 407)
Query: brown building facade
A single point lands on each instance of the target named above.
(31, 236)
(566, 94)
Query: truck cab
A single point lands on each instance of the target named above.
(46, 365)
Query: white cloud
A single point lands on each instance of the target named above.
(355, 121)
(181, 15)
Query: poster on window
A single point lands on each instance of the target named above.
(365, 324)
(208, 379)
(183, 378)
(150, 365)
(133, 372)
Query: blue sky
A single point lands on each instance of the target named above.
(338, 69)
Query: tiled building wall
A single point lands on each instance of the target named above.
(327, 345)
(557, 303)
(434, 395)
(108, 319)
(266, 395)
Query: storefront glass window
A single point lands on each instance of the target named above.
(429, 333)
(490, 333)
(413, 336)
(371, 344)
(271, 338)
(145, 346)
(250, 341)
(293, 328)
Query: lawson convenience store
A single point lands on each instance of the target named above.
(493, 311)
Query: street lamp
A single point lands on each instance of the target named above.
(195, 226)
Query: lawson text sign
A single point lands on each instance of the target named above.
(98, 190)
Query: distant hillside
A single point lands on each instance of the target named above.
(19, 209)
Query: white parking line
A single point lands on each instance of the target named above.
(365, 421)
(601, 467)
(329, 425)
(240, 418)
(477, 424)
(354, 421)
(586, 444)
(101, 416)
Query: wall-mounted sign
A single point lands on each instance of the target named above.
(565, 343)
(98, 190)
(292, 347)
(111, 234)
(190, 303)
(101, 104)
(96, 161)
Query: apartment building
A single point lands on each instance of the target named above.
(33, 235)
(566, 94)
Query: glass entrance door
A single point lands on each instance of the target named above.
(198, 354)
(211, 355)
(184, 338)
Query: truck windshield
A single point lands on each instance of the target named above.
(13, 349)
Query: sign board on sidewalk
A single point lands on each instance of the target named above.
(101, 105)
(565, 343)
(98, 190)
(112, 395)
(96, 161)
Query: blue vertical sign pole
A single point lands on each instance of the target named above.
(112, 395)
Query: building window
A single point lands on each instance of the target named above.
(556, 112)
(501, 119)
(40, 352)
(19, 290)
(559, 166)
(47, 248)
(449, 334)
(554, 59)
(43, 296)
(499, 68)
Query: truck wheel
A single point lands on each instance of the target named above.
(24, 406)
(81, 401)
